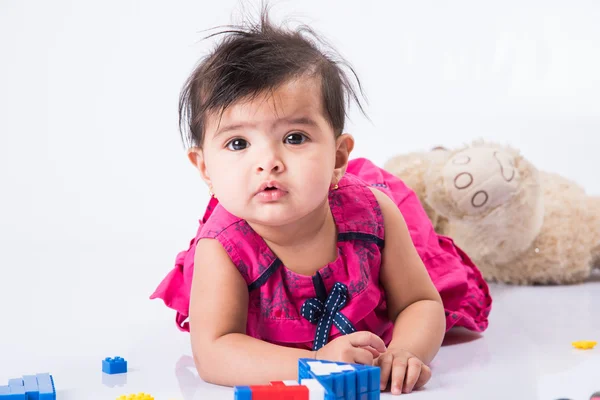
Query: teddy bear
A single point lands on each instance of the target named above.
(519, 225)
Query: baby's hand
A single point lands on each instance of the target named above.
(358, 348)
(407, 371)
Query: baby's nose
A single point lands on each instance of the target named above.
(270, 164)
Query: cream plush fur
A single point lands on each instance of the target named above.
(518, 224)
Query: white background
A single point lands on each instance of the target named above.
(97, 196)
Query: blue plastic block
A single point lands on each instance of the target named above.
(327, 382)
(337, 384)
(115, 365)
(46, 386)
(304, 372)
(360, 383)
(374, 379)
(242, 393)
(31, 387)
(345, 383)
(375, 395)
(44, 381)
(13, 396)
(20, 390)
(350, 385)
(14, 391)
(340, 382)
(14, 383)
(362, 379)
(303, 369)
(369, 378)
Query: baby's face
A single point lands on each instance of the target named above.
(271, 160)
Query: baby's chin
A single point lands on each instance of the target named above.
(273, 220)
(273, 215)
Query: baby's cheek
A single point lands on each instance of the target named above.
(316, 193)
(235, 207)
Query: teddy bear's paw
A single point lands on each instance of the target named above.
(479, 179)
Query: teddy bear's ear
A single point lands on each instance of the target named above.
(436, 148)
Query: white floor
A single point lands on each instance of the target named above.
(64, 310)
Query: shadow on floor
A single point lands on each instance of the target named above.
(460, 335)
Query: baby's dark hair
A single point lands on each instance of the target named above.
(255, 58)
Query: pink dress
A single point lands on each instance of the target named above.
(344, 296)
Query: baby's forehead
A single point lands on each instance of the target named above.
(297, 100)
(289, 97)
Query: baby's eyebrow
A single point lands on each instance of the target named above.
(233, 127)
(299, 121)
(288, 121)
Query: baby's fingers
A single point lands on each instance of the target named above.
(413, 371)
(385, 365)
(374, 352)
(398, 372)
(424, 377)
(362, 356)
(365, 338)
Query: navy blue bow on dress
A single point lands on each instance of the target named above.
(325, 315)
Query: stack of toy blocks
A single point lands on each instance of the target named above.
(320, 380)
(341, 380)
(30, 387)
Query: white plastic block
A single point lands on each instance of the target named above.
(321, 369)
(316, 391)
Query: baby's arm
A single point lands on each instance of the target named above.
(414, 304)
(223, 353)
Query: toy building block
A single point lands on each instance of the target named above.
(278, 390)
(242, 393)
(46, 387)
(584, 344)
(273, 392)
(8, 393)
(30, 387)
(316, 390)
(319, 380)
(341, 380)
(138, 396)
(115, 365)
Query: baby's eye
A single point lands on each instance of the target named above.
(295, 138)
(237, 144)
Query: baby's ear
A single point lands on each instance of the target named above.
(344, 146)
(196, 157)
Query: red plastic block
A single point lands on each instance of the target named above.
(279, 392)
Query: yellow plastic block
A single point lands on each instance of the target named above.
(584, 344)
(139, 396)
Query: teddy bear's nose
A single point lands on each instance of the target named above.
(507, 165)
(480, 179)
